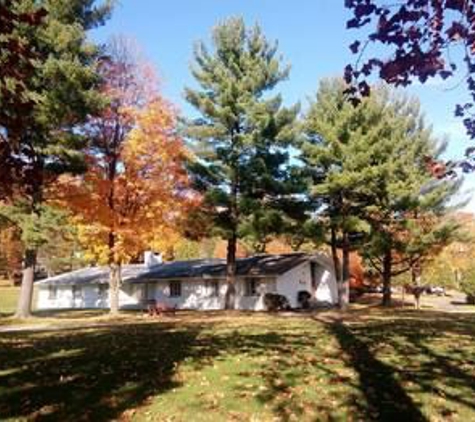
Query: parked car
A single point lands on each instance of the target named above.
(374, 289)
(435, 290)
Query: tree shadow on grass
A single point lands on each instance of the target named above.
(291, 359)
(97, 374)
(435, 353)
(422, 354)
(89, 374)
(385, 398)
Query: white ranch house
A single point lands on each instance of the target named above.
(194, 284)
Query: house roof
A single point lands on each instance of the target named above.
(94, 275)
(258, 266)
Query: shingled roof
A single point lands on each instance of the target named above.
(258, 266)
(95, 275)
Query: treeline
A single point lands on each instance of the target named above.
(98, 158)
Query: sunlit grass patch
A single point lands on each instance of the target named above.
(238, 366)
(8, 299)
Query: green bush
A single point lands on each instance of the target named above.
(303, 299)
(275, 302)
(467, 285)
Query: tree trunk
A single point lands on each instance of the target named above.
(114, 276)
(416, 285)
(29, 262)
(417, 300)
(230, 296)
(344, 285)
(336, 259)
(26, 290)
(458, 278)
(387, 268)
(114, 288)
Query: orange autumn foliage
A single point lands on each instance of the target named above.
(11, 253)
(220, 250)
(150, 189)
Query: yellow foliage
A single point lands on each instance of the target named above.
(142, 205)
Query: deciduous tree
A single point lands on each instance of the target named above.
(11, 250)
(136, 186)
(424, 39)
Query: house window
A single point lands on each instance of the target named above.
(212, 288)
(52, 292)
(77, 292)
(175, 288)
(251, 286)
(102, 291)
(144, 289)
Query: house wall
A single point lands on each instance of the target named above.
(327, 289)
(89, 298)
(254, 303)
(300, 278)
(294, 280)
(196, 293)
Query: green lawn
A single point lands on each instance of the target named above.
(219, 366)
(8, 299)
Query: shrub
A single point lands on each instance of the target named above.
(468, 285)
(303, 299)
(275, 302)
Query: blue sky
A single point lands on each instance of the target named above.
(311, 35)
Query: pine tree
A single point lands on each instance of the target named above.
(407, 209)
(17, 64)
(369, 166)
(242, 136)
(61, 90)
(337, 139)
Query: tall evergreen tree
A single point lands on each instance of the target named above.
(368, 164)
(17, 55)
(242, 136)
(337, 135)
(62, 88)
(407, 209)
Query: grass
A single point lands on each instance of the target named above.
(371, 365)
(8, 299)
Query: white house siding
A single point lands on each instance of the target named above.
(197, 293)
(299, 278)
(327, 289)
(254, 303)
(87, 297)
(294, 280)
(130, 296)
